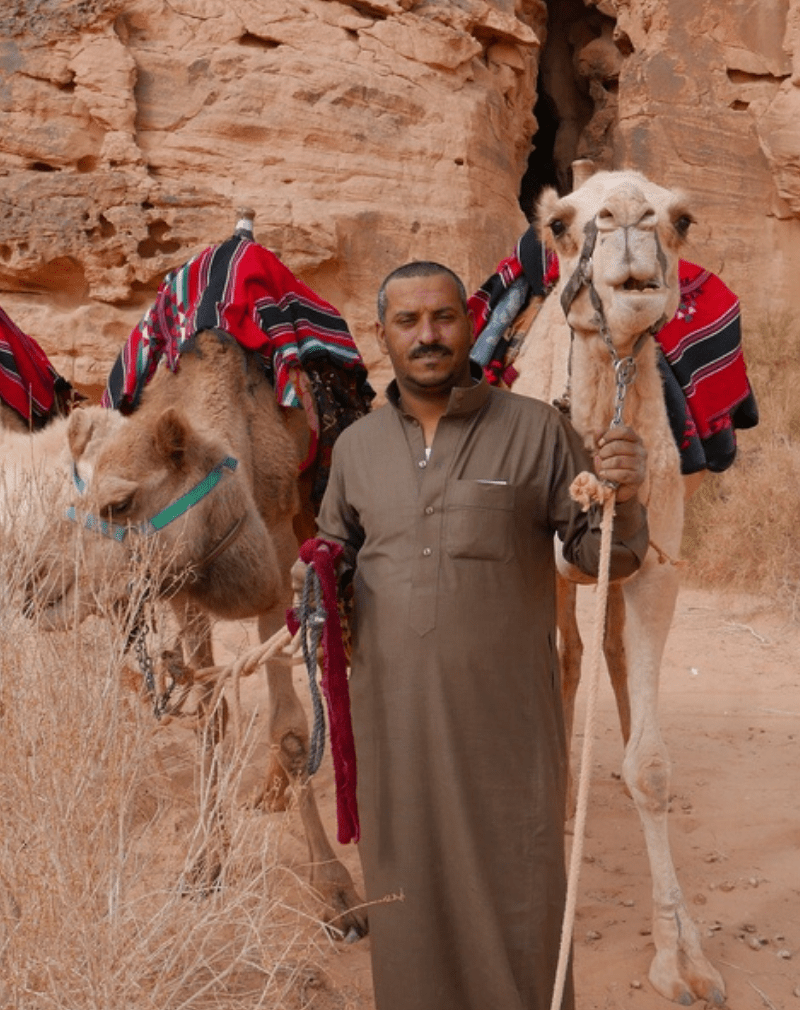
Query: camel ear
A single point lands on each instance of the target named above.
(79, 433)
(171, 437)
(545, 209)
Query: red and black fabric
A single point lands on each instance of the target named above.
(706, 389)
(323, 554)
(28, 382)
(702, 345)
(531, 264)
(244, 289)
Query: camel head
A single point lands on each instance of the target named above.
(617, 238)
(156, 502)
(57, 554)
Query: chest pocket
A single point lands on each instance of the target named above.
(479, 520)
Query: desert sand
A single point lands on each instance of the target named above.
(730, 712)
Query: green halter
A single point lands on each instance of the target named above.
(116, 532)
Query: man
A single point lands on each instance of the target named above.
(446, 501)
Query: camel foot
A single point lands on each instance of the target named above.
(684, 980)
(345, 916)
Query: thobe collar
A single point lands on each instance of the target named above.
(463, 399)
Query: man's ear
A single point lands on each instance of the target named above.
(380, 336)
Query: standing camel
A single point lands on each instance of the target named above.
(617, 238)
(206, 468)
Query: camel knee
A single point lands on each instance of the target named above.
(648, 782)
(292, 755)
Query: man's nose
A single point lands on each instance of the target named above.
(427, 333)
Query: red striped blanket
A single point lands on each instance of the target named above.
(242, 288)
(28, 382)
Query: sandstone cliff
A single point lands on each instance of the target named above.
(368, 132)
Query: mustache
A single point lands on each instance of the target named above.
(425, 350)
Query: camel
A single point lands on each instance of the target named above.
(214, 424)
(617, 237)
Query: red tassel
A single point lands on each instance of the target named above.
(322, 555)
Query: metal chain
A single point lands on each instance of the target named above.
(625, 372)
(312, 622)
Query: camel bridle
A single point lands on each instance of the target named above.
(624, 367)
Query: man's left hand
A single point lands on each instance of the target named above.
(621, 458)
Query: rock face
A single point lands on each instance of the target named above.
(368, 133)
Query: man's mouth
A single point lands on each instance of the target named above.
(432, 351)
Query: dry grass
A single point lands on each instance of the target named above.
(99, 820)
(741, 530)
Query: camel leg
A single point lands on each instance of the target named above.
(680, 970)
(210, 729)
(288, 728)
(616, 660)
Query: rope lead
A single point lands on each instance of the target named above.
(576, 856)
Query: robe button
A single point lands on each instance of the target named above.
(422, 464)
(426, 552)
(429, 510)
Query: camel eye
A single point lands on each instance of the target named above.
(683, 224)
(557, 227)
(118, 509)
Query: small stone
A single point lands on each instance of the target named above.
(748, 927)
(785, 954)
(628, 903)
(593, 935)
(754, 942)
(636, 984)
(753, 881)
(727, 885)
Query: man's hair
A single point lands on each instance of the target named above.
(418, 268)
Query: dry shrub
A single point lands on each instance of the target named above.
(95, 836)
(741, 527)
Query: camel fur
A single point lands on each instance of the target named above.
(227, 556)
(629, 289)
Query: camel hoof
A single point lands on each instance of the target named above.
(353, 935)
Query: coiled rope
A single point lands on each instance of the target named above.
(312, 624)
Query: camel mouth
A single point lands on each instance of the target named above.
(640, 286)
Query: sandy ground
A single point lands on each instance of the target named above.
(730, 716)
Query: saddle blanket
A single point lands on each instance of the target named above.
(241, 287)
(28, 382)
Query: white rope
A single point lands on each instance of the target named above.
(582, 804)
(281, 645)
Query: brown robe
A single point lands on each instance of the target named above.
(455, 690)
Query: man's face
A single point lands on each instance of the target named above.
(427, 334)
